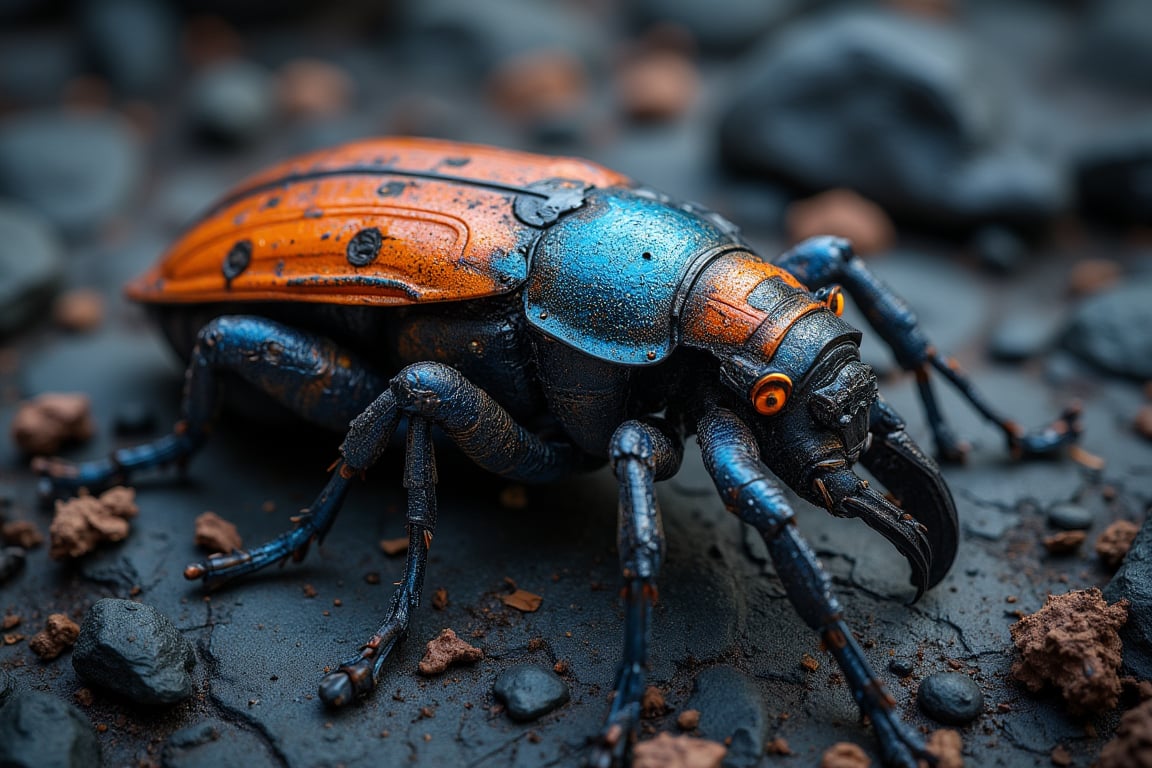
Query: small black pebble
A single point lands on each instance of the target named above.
(950, 698)
(1068, 516)
(900, 667)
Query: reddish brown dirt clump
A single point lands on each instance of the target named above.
(652, 704)
(523, 600)
(1114, 543)
(22, 533)
(841, 212)
(668, 751)
(843, 754)
(688, 720)
(216, 534)
(79, 310)
(1131, 747)
(657, 85)
(46, 423)
(1064, 542)
(59, 634)
(85, 521)
(1072, 644)
(445, 650)
(947, 746)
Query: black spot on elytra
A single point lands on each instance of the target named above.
(313, 213)
(364, 247)
(456, 162)
(391, 188)
(237, 260)
(272, 202)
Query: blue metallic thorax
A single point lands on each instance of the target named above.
(608, 278)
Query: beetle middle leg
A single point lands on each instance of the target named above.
(729, 453)
(821, 262)
(641, 452)
(432, 394)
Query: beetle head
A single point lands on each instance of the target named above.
(785, 352)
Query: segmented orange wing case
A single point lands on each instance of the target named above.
(384, 221)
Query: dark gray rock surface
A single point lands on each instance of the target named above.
(135, 651)
(731, 707)
(232, 102)
(38, 730)
(1113, 330)
(31, 266)
(1133, 582)
(530, 691)
(950, 698)
(134, 43)
(1070, 516)
(214, 743)
(11, 561)
(1114, 173)
(890, 106)
(78, 169)
(7, 686)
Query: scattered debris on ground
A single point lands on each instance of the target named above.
(1131, 747)
(215, 534)
(79, 310)
(22, 533)
(948, 748)
(45, 424)
(688, 720)
(83, 523)
(652, 704)
(1072, 643)
(523, 600)
(1064, 542)
(668, 751)
(844, 213)
(778, 746)
(59, 634)
(446, 650)
(394, 547)
(844, 754)
(440, 599)
(1114, 542)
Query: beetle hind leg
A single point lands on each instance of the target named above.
(309, 374)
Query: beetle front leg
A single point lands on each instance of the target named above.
(641, 452)
(729, 452)
(821, 262)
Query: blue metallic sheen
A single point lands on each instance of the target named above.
(605, 279)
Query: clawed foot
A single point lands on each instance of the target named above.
(348, 683)
(611, 746)
(900, 746)
(1050, 440)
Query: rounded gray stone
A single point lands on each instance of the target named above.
(950, 698)
(78, 169)
(1133, 582)
(1069, 516)
(530, 691)
(134, 650)
(1113, 330)
(232, 102)
(38, 730)
(31, 265)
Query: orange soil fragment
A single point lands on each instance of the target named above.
(688, 720)
(668, 751)
(445, 650)
(440, 599)
(393, 547)
(1064, 542)
(778, 746)
(1115, 541)
(844, 213)
(84, 522)
(1072, 644)
(1131, 747)
(216, 534)
(79, 310)
(844, 754)
(22, 533)
(947, 746)
(523, 600)
(652, 703)
(59, 634)
(46, 423)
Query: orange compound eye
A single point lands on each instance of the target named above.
(770, 393)
(835, 300)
